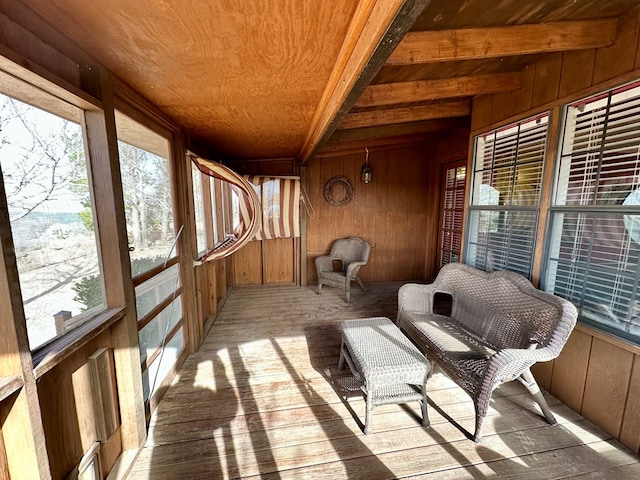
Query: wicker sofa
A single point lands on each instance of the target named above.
(484, 329)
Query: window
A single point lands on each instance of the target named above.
(146, 184)
(198, 201)
(148, 201)
(594, 251)
(505, 199)
(232, 194)
(45, 174)
(215, 210)
(234, 211)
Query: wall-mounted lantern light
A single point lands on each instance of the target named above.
(365, 172)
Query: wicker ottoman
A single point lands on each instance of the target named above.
(390, 367)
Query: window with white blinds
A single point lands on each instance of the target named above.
(505, 200)
(594, 243)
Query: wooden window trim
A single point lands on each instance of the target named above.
(51, 354)
(608, 338)
(158, 269)
(10, 385)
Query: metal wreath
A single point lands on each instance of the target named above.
(329, 194)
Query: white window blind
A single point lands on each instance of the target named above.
(504, 210)
(594, 244)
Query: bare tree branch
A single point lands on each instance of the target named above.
(44, 171)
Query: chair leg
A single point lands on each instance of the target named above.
(361, 285)
(481, 406)
(529, 381)
(319, 288)
(368, 414)
(477, 436)
(423, 404)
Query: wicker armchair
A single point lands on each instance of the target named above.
(484, 329)
(353, 253)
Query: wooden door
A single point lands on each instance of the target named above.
(452, 192)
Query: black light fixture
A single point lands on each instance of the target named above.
(365, 172)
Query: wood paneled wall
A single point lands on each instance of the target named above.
(562, 77)
(68, 413)
(211, 288)
(395, 213)
(597, 375)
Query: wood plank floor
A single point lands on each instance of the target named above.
(263, 399)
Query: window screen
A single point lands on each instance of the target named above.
(46, 179)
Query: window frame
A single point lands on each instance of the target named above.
(592, 209)
(182, 256)
(508, 207)
(98, 318)
(199, 208)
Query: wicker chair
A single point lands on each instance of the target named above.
(353, 253)
(484, 329)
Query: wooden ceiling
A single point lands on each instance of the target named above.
(281, 78)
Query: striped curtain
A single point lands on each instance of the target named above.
(249, 207)
(280, 198)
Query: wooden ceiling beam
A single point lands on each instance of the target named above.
(413, 128)
(373, 118)
(420, 91)
(474, 43)
(376, 28)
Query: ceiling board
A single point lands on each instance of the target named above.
(247, 132)
(246, 70)
(265, 78)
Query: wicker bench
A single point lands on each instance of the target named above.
(390, 367)
(483, 329)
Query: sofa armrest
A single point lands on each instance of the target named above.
(531, 354)
(413, 297)
(323, 263)
(509, 363)
(353, 268)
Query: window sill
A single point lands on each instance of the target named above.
(10, 385)
(608, 337)
(51, 354)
